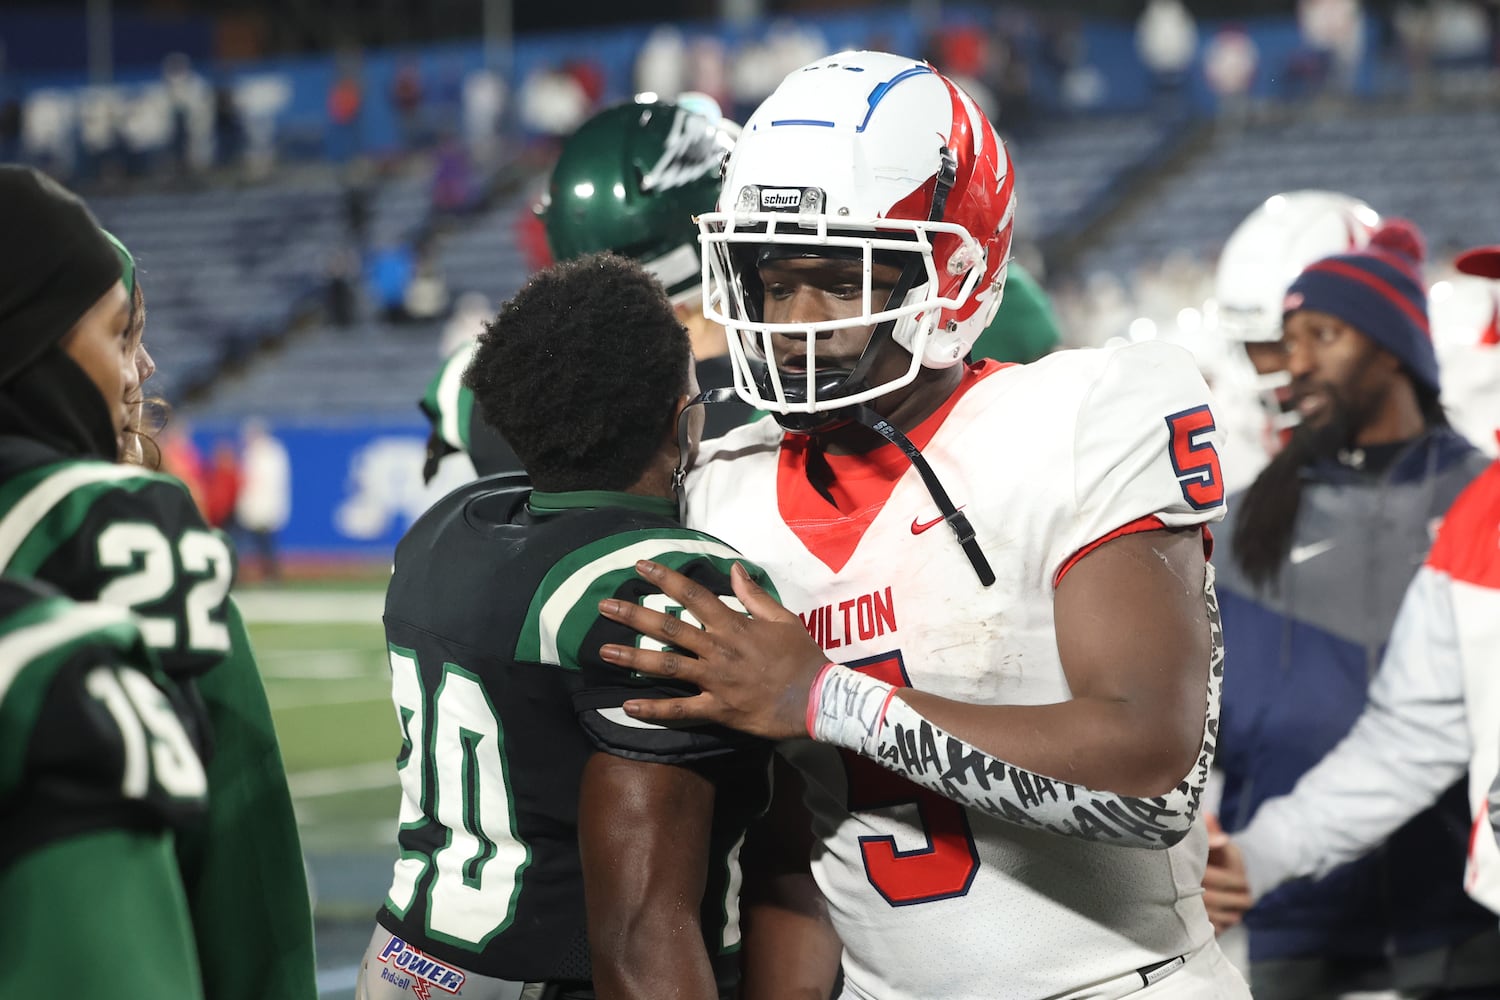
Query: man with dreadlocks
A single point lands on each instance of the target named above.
(1319, 553)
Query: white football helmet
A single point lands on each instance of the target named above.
(873, 157)
(1262, 257)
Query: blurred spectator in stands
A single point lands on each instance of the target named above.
(1312, 570)
(144, 131)
(471, 314)
(98, 134)
(221, 486)
(388, 270)
(426, 295)
(1011, 73)
(48, 134)
(962, 54)
(552, 103)
(1413, 27)
(341, 294)
(261, 98)
(190, 102)
(454, 184)
(265, 497)
(181, 458)
(661, 63)
(483, 106)
(707, 69)
(358, 184)
(1229, 64)
(531, 233)
(406, 97)
(229, 128)
(760, 65)
(1333, 33)
(1166, 38)
(1066, 51)
(345, 116)
(589, 76)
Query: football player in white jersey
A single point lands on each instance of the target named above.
(1266, 251)
(1008, 562)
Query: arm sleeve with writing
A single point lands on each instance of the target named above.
(1144, 457)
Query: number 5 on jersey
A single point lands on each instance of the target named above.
(1194, 458)
(942, 868)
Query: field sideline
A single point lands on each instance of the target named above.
(321, 652)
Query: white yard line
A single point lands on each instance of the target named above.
(321, 664)
(338, 780)
(339, 607)
(341, 696)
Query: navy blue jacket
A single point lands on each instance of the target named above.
(1299, 656)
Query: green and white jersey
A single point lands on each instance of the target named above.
(121, 535)
(97, 772)
(133, 539)
(501, 695)
(92, 734)
(458, 425)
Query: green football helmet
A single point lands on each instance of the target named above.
(630, 180)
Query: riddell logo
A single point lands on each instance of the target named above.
(780, 198)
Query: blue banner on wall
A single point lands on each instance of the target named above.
(355, 488)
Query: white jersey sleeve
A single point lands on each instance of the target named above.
(1145, 450)
(1411, 742)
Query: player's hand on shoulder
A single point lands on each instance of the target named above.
(753, 672)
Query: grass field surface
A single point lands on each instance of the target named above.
(322, 655)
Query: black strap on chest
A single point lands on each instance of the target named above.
(962, 529)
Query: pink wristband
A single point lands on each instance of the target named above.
(813, 694)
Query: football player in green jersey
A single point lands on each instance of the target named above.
(526, 792)
(98, 530)
(629, 181)
(97, 772)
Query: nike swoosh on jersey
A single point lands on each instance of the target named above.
(918, 526)
(1302, 553)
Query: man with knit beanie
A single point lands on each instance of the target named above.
(1321, 548)
(73, 517)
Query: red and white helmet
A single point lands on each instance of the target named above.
(873, 157)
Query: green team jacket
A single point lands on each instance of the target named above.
(125, 536)
(98, 770)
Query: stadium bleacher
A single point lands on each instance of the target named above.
(1435, 167)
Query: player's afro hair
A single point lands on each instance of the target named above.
(581, 373)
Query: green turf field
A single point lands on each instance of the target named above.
(322, 654)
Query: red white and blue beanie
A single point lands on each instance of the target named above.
(1380, 292)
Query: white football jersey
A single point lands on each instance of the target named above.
(1046, 459)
